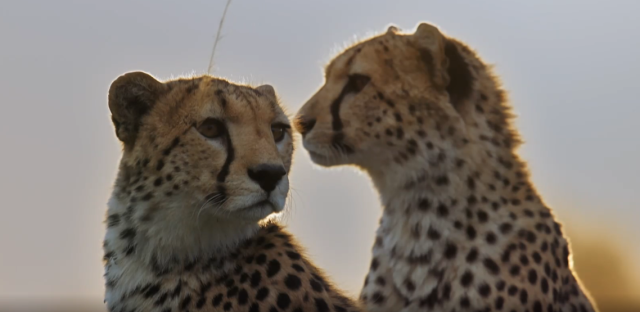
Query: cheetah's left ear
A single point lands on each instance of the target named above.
(446, 66)
(131, 96)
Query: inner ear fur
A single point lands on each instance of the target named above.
(447, 68)
(131, 96)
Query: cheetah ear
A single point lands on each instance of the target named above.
(429, 36)
(267, 90)
(131, 96)
(446, 66)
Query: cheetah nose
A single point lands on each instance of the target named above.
(304, 125)
(267, 175)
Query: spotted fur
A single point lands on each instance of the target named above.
(463, 228)
(189, 227)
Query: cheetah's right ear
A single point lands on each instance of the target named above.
(131, 96)
(446, 65)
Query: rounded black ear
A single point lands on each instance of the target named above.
(131, 96)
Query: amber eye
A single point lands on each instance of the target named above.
(211, 128)
(279, 131)
(357, 82)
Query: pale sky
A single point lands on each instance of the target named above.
(571, 68)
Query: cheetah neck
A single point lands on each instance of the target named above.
(170, 238)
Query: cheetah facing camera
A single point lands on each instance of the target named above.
(463, 228)
(204, 165)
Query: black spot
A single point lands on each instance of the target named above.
(537, 306)
(443, 210)
(321, 305)
(273, 268)
(374, 264)
(491, 265)
(515, 270)
(466, 279)
(293, 255)
(292, 282)
(315, 285)
(464, 302)
(484, 290)
(472, 255)
(450, 251)
(232, 292)
(533, 276)
(424, 204)
(200, 303)
(297, 267)
(544, 285)
(505, 228)
(262, 293)
(216, 300)
(482, 216)
(523, 296)
(283, 301)
(433, 234)
(254, 308)
(499, 303)
(471, 232)
(491, 238)
(256, 277)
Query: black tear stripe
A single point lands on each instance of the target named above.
(168, 150)
(224, 171)
(336, 122)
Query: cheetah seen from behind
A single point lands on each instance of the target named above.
(204, 166)
(463, 228)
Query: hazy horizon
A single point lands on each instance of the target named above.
(570, 68)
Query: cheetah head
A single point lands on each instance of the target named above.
(199, 150)
(382, 96)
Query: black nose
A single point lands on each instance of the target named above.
(305, 125)
(266, 175)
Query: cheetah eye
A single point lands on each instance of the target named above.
(279, 130)
(357, 82)
(211, 128)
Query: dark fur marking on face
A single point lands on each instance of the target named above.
(336, 123)
(174, 143)
(224, 171)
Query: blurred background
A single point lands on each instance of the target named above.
(571, 68)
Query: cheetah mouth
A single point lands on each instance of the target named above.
(265, 203)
